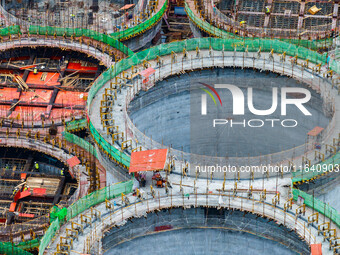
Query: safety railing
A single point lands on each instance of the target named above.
(252, 205)
(222, 29)
(318, 205)
(146, 25)
(115, 22)
(76, 125)
(80, 142)
(9, 249)
(83, 204)
(332, 164)
(79, 32)
(220, 20)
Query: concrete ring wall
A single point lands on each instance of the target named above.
(210, 59)
(34, 42)
(242, 227)
(93, 234)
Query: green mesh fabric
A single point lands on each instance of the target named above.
(34, 243)
(77, 32)
(75, 125)
(54, 213)
(49, 234)
(110, 150)
(318, 205)
(316, 170)
(80, 206)
(141, 28)
(15, 29)
(9, 249)
(80, 142)
(216, 32)
(97, 197)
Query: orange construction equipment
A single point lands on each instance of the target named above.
(28, 113)
(36, 96)
(159, 180)
(316, 249)
(127, 6)
(150, 160)
(315, 131)
(70, 98)
(43, 78)
(81, 69)
(64, 113)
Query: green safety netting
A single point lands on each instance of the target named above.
(140, 28)
(214, 31)
(205, 43)
(49, 234)
(205, 26)
(335, 62)
(109, 149)
(60, 31)
(75, 125)
(56, 212)
(317, 169)
(15, 29)
(34, 243)
(318, 205)
(97, 197)
(29, 244)
(9, 249)
(80, 206)
(80, 142)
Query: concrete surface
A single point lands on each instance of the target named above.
(170, 112)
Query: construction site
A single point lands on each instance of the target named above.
(177, 126)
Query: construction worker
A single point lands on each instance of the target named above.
(26, 187)
(242, 23)
(15, 191)
(35, 70)
(214, 8)
(36, 166)
(62, 172)
(267, 10)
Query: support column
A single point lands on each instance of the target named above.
(301, 15)
(235, 9)
(267, 16)
(335, 14)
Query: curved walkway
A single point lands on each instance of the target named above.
(202, 196)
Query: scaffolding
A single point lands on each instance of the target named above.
(80, 206)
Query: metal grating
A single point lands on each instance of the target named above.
(283, 22)
(252, 20)
(250, 5)
(281, 6)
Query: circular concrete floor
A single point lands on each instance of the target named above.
(171, 113)
(200, 241)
